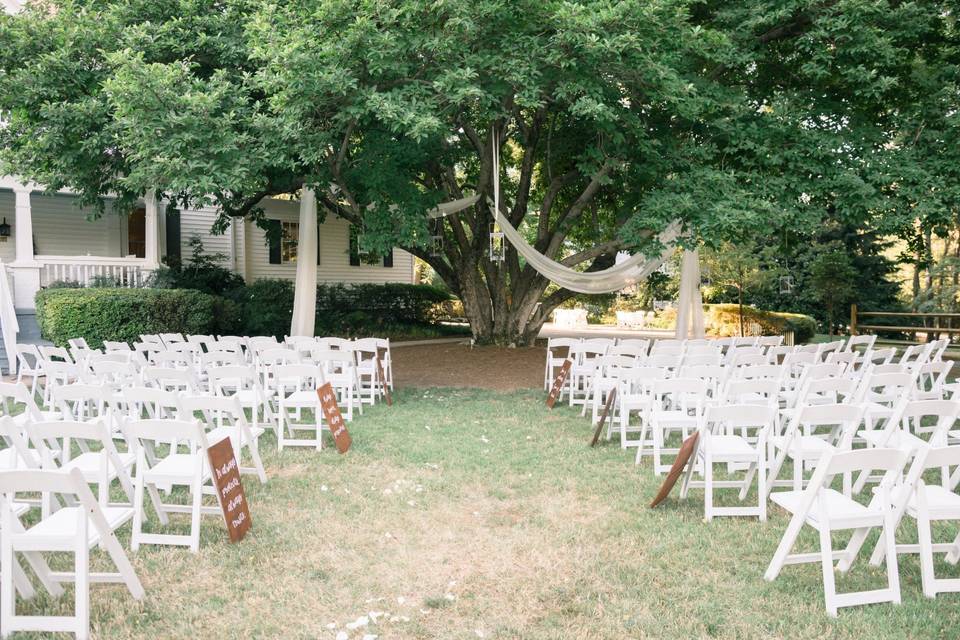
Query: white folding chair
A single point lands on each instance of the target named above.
(828, 510)
(720, 443)
(678, 405)
(190, 469)
(296, 388)
(110, 346)
(804, 440)
(557, 351)
(225, 418)
(337, 367)
(30, 364)
(170, 338)
(75, 529)
(927, 503)
(635, 395)
(101, 467)
(244, 383)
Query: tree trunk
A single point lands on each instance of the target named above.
(740, 308)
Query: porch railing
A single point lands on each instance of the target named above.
(84, 270)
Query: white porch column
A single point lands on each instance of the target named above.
(305, 287)
(151, 252)
(26, 270)
(690, 321)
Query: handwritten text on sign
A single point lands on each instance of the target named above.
(557, 387)
(331, 412)
(226, 479)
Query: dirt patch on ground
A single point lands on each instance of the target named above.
(457, 365)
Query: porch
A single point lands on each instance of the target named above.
(47, 240)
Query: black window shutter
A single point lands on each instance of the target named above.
(388, 259)
(354, 247)
(273, 237)
(173, 234)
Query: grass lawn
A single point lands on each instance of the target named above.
(473, 514)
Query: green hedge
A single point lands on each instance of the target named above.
(263, 308)
(359, 309)
(124, 314)
(724, 320)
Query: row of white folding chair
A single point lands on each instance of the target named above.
(828, 510)
(77, 528)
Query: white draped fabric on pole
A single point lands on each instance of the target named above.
(305, 287)
(690, 321)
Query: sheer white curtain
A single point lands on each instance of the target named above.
(305, 286)
(690, 321)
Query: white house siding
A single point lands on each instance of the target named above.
(198, 223)
(334, 251)
(60, 228)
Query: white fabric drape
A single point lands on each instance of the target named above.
(630, 271)
(690, 321)
(305, 287)
(452, 207)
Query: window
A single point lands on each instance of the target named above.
(359, 257)
(290, 232)
(282, 238)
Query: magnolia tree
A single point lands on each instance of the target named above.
(613, 119)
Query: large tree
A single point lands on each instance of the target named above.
(613, 118)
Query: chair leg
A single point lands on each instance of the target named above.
(783, 549)
(196, 489)
(928, 579)
(826, 563)
(708, 486)
(893, 566)
(82, 586)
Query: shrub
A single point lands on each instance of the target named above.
(124, 314)
(724, 320)
(266, 307)
(360, 309)
(203, 272)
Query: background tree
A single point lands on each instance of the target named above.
(833, 279)
(737, 267)
(614, 118)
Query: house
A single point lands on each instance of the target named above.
(48, 238)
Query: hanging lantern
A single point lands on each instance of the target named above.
(497, 253)
(436, 245)
(786, 285)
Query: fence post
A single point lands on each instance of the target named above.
(853, 319)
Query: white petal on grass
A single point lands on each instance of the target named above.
(362, 621)
(342, 635)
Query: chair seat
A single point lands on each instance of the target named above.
(221, 433)
(842, 512)
(805, 447)
(176, 468)
(723, 446)
(89, 464)
(63, 524)
(9, 459)
(897, 440)
(303, 398)
(251, 398)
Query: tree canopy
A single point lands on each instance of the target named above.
(615, 117)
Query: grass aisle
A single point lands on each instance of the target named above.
(466, 514)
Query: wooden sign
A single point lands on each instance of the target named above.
(558, 383)
(331, 412)
(383, 381)
(611, 398)
(683, 456)
(226, 479)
